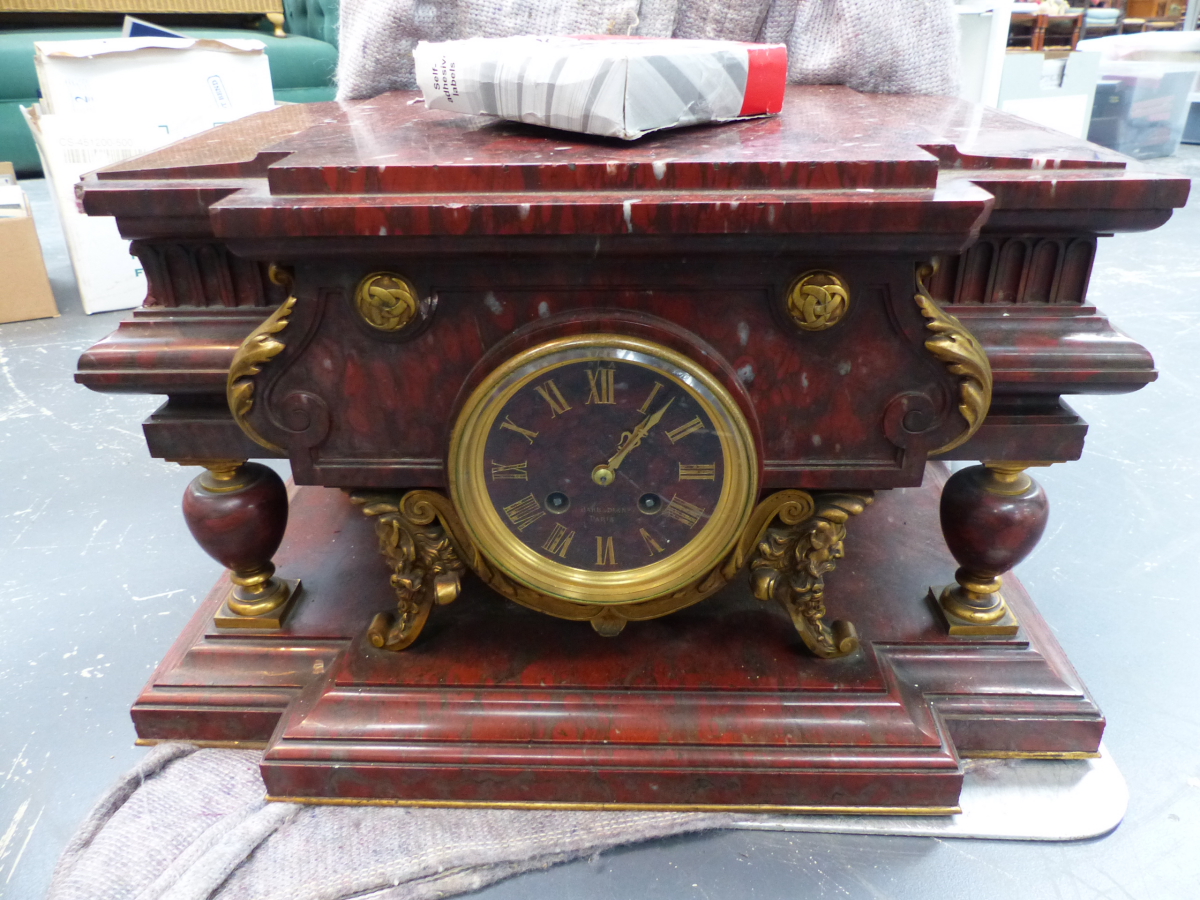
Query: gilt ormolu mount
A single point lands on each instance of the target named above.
(861, 284)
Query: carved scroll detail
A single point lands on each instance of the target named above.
(426, 568)
(790, 561)
(791, 564)
(433, 504)
(963, 355)
(259, 348)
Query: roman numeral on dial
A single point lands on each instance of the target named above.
(600, 382)
(645, 407)
(698, 472)
(515, 472)
(604, 552)
(559, 541)
(549, 392)
(513, 426)
(685, 429)
(651, 544)
(524, 512)
(682, 511)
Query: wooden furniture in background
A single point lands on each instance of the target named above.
(1043, 31)
(1149, 9)
(1094, 27)
(1153, 15)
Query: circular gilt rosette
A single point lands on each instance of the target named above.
(818, 300)
(387, 301)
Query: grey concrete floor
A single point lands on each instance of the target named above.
(98, 575)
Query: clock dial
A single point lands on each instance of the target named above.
(604, 464)
(603, 469)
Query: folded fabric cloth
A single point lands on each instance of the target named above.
(878, 46)
(189, 824)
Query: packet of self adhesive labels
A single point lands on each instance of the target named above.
(622, 87)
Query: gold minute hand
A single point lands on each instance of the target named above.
(635, 437)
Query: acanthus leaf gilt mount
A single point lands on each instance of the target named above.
(964, 357)
(426, 544)
(260, 347)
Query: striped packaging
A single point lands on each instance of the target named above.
(614, 87)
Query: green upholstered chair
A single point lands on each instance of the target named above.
(302, 66)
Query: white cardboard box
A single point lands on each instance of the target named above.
(982, 42)
(186, 85)
(108, 276)
(108, 100)
(1055, 92)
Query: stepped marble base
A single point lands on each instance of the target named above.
(716, 707)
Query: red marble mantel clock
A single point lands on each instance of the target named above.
(562, 382)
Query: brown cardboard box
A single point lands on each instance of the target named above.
(24, 286)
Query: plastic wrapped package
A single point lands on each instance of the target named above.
(613, 87)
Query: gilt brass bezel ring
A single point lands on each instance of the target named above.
(466, 473)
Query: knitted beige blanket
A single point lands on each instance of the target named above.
(192, 824)
(875, 46)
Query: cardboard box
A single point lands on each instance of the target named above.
(181, 85)
(108, 276)
(108, 100)
(982, 42)
(24, 286)
(1055, 90)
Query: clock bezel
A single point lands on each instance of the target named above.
(523, 564)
